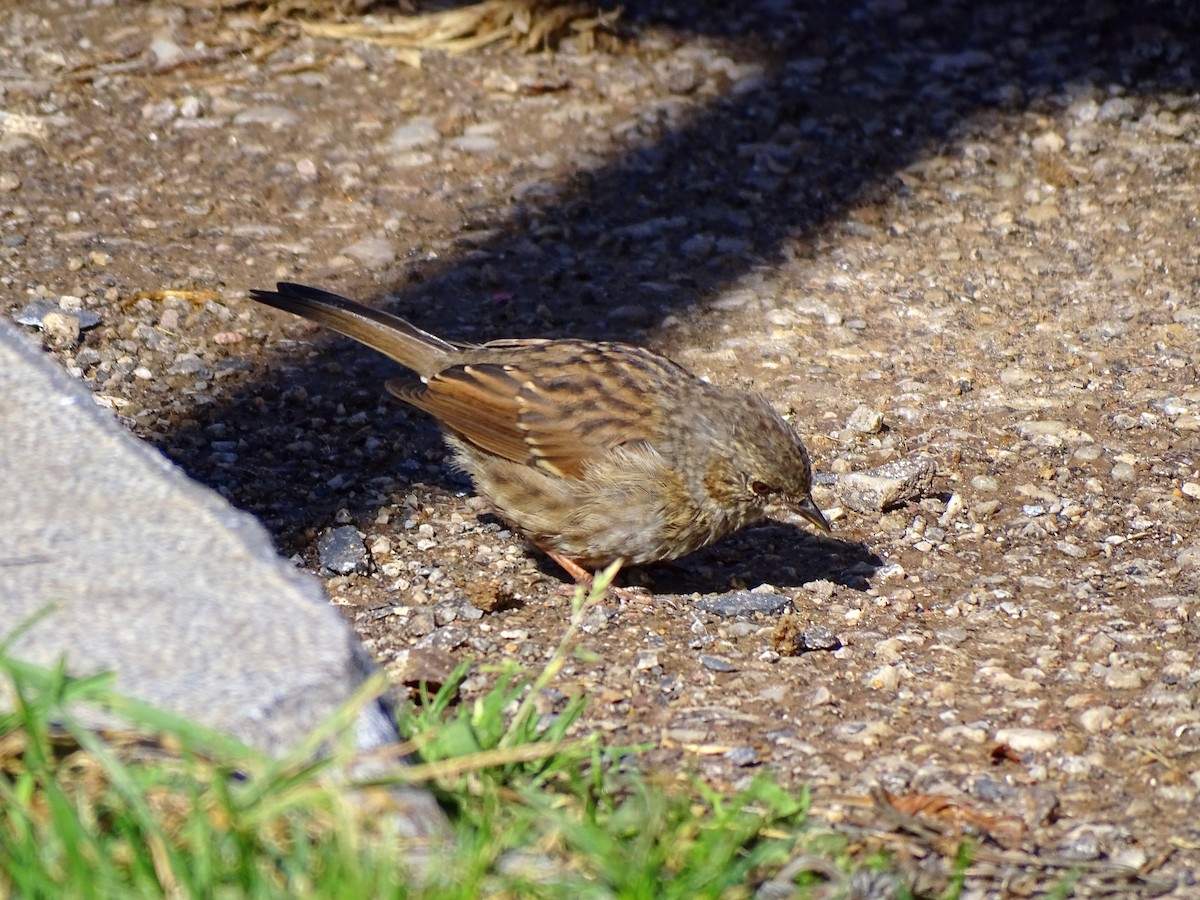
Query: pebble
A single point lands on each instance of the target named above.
(61, 329)
(1048, 142)
(818, 696)
(1189, 557)
(413, 666)
(277, 117)
(717, 663)
(885, 678)
(372, 252)
(865, 420)
(1015, 376)
(1097, 719)
(1069, 549)
(34, 314)
(1034, 739)
(1053, 432)
(1123, 679)
(188, 364)
(414, 134)
(598, 619)
(744, 603)
(818, 637)
(448, 637)
(342, 552)
(1123, 471)
(646, 660)
(743, 756)
(888, 485)
(475, 143)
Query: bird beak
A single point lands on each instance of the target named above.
(799, 513)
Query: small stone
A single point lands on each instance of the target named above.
(716, 663)
(1027, 739)
(420, 623)
(818, 637)
(1190, 489)
(645, 660)
(818, 696)
(416, 133)
(1069, 549)
(1189, 556)
(166, 52)
(475, 143)
(681, 78)
(1041, 213)
(985, 484)
(631, 315)
(34, 313)
(1123, 679)
(446, 612)
(1115, 109)
(1048, 142)
(277, 117)
(1097, 719)
(1187, 423)
(416, 666)
(61, 330)
(743, 756)
(697, 246)
(744, 603)
(1053, 429)
(865, 420)
(341, 551)
(1100, 646)
(885, 678)
(372, 252)
(888, 485)
(188, 364)
(954, 506)
(1123, 471)
(447, 638)
(598, 619)
(1015, 376)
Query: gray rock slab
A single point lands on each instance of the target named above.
(149, 575)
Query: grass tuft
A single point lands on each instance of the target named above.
(168, 808)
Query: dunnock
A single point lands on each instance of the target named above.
(596, 451)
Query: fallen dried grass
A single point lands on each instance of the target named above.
(528, 25)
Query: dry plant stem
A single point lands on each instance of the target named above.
(582, 602)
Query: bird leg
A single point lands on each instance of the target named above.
(630, 596)
(572, 568)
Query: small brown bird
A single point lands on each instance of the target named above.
(596, 451)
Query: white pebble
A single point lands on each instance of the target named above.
(1027, 739)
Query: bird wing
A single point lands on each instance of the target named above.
(555, 405)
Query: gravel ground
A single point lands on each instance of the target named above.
(956, 242)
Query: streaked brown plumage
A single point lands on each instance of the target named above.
(594, 450)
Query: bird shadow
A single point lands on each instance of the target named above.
(782, 556)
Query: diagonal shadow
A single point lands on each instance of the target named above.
(847, 96)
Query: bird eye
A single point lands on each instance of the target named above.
(759, 488)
